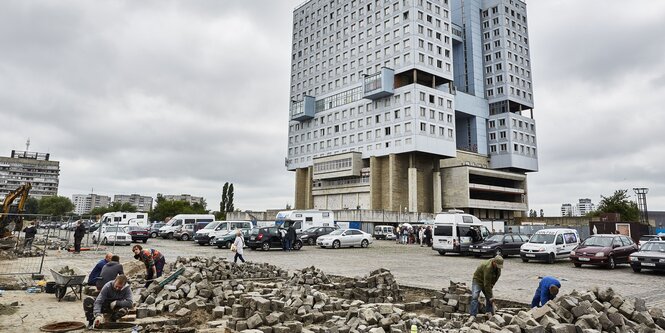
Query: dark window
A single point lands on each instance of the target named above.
(443, 230)
(559, 239)
(467, 219)
(308, 219)
(189, 221)
(509, 239)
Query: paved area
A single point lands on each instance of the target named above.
(412, 265)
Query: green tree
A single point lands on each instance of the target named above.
(619, 203)
(229, 199)
(32, 206)
(165, 208)
(55, 205)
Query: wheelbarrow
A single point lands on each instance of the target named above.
(66, 283)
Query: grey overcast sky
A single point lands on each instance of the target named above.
(181, 96)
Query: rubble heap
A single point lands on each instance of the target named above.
(255, 298)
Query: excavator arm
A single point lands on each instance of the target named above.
(6, 219)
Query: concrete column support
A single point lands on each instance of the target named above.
(303, 190)
(436, 186)
(413, 189)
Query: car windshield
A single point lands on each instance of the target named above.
(337, 232)
(212, 225)
(598, 241)
(495, 238)
(115, 229)
(542, 238)
(652, 246)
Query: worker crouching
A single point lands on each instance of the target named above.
(112, 303)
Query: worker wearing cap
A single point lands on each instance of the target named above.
(547, 289)
(484, 280)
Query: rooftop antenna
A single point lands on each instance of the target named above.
(27, 144)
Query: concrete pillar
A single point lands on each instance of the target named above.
(375, 183)
(303, 191)
(413, 189)
(436, 187)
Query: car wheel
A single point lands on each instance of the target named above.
(169, 235)
(265, 246)
(611, 264)
(577, 265)
(227, 244)
(443, 253)
(105, 241)
(297, 245)
(145, 241)
(637, 269)
(185, 237)
(153, 234)
(335, 244)
(498, 252)
(550, 258)
(311, 241)
(364, 243)
(525, 260)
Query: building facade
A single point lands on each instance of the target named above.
(412, 105)
(85, 203)
(23, 167)
(142, 203)
(184, 197)
(567, 209)
(584, 206)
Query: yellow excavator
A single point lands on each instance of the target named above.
(11, 213)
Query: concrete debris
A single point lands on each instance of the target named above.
(253, 298)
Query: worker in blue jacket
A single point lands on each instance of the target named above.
(548, 288)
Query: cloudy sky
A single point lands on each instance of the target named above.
(181, 96)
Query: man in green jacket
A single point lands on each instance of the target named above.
(484, 279)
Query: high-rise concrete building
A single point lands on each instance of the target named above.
(418, 105)
(29, 167)
(566, 209)
(583, 207)
(184, 197)
(142, 203)
(85, 203)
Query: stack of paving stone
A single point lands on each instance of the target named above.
(379, 287)
(311, 276)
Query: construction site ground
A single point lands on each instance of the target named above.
(412, 265)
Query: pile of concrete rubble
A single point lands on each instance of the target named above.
(255, 298)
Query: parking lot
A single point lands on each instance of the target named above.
(421, 267)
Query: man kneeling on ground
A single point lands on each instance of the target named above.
(112, 303)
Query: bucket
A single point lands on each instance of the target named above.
(50, 287)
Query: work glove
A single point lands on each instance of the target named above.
(99, 320)
(113, 304)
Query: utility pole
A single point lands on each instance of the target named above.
(642, 203)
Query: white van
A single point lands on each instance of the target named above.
(384, 232)
(226, 227)
(176, 222)
(305, 219)
(124, 219)
(455, 231)
(549, 245)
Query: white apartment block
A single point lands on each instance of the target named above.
(85, 203)
(184, 197)
(581, 208)
(421, 105)
(29, 167)
(566, 209)
(142, 203)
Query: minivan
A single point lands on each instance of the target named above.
(455, 231)
(384, 231)
(188, 230)
(179, 220)
(226, 227)
(550, 244)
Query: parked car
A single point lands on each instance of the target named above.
(202, 236)
(184, 233)
(309, 236)
(647, 238)
(650, 256)
(503, 245)
(228, 239)
(603, 250)
(269, 237)
(111, 235)
(138, 233)
(550, 244)
(345, 237)
(154, 229)
(93, 227)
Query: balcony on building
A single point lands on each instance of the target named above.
(338, 166)
(304, 109)
(379, 85)
(457, 33)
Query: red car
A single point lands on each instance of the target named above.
(603, 250)
(138, 233)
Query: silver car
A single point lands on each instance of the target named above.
(345, 238)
